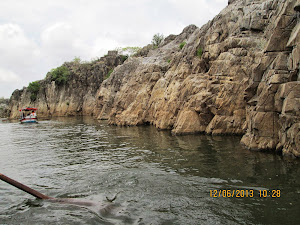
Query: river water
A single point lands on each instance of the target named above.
(158, 178)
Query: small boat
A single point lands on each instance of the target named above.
(28, 115)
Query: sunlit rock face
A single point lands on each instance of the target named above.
(238, 74)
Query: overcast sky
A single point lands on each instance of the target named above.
(38, 35)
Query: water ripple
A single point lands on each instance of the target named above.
(159, 178)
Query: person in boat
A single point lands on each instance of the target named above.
(33, 113)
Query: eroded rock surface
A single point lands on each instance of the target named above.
(76, 97)
(238, 74)
(4, 109)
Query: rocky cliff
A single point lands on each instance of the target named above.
(4, 111)
(273, 94)
(238, 74)
(76, 96)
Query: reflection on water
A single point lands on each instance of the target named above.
(160, 178)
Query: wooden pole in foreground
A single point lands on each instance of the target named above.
(24, 187)
(39, 195)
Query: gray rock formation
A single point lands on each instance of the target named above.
(76, 97)
(231, 1)
(4, 111)
(273, 110)
(238, 74)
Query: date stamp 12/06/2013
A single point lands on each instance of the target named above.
(247, 193)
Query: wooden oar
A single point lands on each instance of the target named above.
(24, 187)
(80, 202)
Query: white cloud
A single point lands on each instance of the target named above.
(60, 42)
(17, 50)
(7, 76)
(36, 36)
(8, 80)
(18, 59)
(222, 1)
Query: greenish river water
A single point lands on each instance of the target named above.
(159, 178)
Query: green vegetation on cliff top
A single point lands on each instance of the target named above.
(4, 100)
(60, 75)
(157, 39)
(127, 51)
(33, 88)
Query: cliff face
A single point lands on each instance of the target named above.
(273, 108)
(4, 112)
(238, 74)
(75, 97)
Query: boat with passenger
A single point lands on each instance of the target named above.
(28, 115)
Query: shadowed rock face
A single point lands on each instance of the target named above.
(297, 6)
(238, 74)
(76, 97)
(4, 112)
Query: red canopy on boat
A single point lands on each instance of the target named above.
(28, 109)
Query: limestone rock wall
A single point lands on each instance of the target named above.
(4, 111)
(273, 111)
(76, 97)
(238, 74)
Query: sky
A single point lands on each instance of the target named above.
(38, 35)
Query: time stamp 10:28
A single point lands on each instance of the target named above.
(226, 193)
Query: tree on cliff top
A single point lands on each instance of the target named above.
(129, 51)
(33, 88)
(157, 39)
(60, 75)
